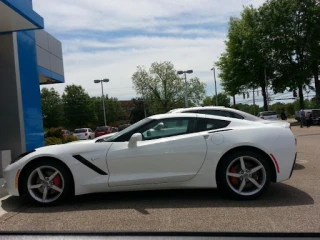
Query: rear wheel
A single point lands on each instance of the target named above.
(47, 182)
(243, 175)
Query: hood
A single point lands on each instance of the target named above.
(73, 147)
(105, 136)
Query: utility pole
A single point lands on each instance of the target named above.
(215, 83)
(103, 98)
(254, 102)
(186, 85)
(266, 88)
(186, 91)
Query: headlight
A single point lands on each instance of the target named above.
(21, 156)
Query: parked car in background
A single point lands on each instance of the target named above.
(123, 126)
(66, 133)
(103, 130)
(83, 133)
(268, 115)
(315, 115)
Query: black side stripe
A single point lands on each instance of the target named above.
(89, 164)
(222, 130)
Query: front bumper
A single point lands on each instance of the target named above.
(11, 175)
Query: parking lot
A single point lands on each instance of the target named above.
(292, 206)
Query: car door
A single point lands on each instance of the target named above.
(170, 152)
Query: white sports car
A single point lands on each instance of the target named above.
(169, 151)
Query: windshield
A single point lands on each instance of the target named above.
(82, 130)
(125, 131)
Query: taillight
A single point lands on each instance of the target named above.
(262, 117)
(86, 134)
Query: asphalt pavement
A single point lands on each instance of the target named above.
(292, 206)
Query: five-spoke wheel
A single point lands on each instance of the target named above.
(46, 182)
(244, 175)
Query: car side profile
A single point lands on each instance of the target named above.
(167, 151)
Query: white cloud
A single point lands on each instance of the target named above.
(94, 47)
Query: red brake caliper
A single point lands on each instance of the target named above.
(57, 181)
(234, 180)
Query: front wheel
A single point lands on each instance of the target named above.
(243, 175)
(47, 182)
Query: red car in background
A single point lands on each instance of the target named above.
(103, 131)
(66, 133)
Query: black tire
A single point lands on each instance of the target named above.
(222, 181)
(67, 181)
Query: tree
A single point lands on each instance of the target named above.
(164, 89)
(223, 100)
(244, 63)
(290, 33)
(139, 111)
(207, 101)
(52, 108)
(78, 107)
(114, 112)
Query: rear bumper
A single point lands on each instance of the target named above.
(294, 163)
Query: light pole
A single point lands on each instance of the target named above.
(215, 83)
(186, 85)
(103, 101)
(266, 89)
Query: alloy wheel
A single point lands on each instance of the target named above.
(246, 175)
(45, 184)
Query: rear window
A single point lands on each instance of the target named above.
(204, 124)
(81, 130)
(267, 113)
(101, 129)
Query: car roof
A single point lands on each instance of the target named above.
(199, 115)
(199, 108)
(222, 108)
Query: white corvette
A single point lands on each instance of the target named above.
(169, 151)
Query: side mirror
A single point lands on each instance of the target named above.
(134, 139)
(159, 126)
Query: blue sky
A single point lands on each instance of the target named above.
(110, 38)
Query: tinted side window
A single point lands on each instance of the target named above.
(167, 128)
(204, 124)
(235, 115)
(192, 111)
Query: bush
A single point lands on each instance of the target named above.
(55, 132)
(55, 136)
(52, 141)
(69, 139)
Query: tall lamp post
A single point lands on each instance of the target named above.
(186, 85)
(215, 83)
(103, 101)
